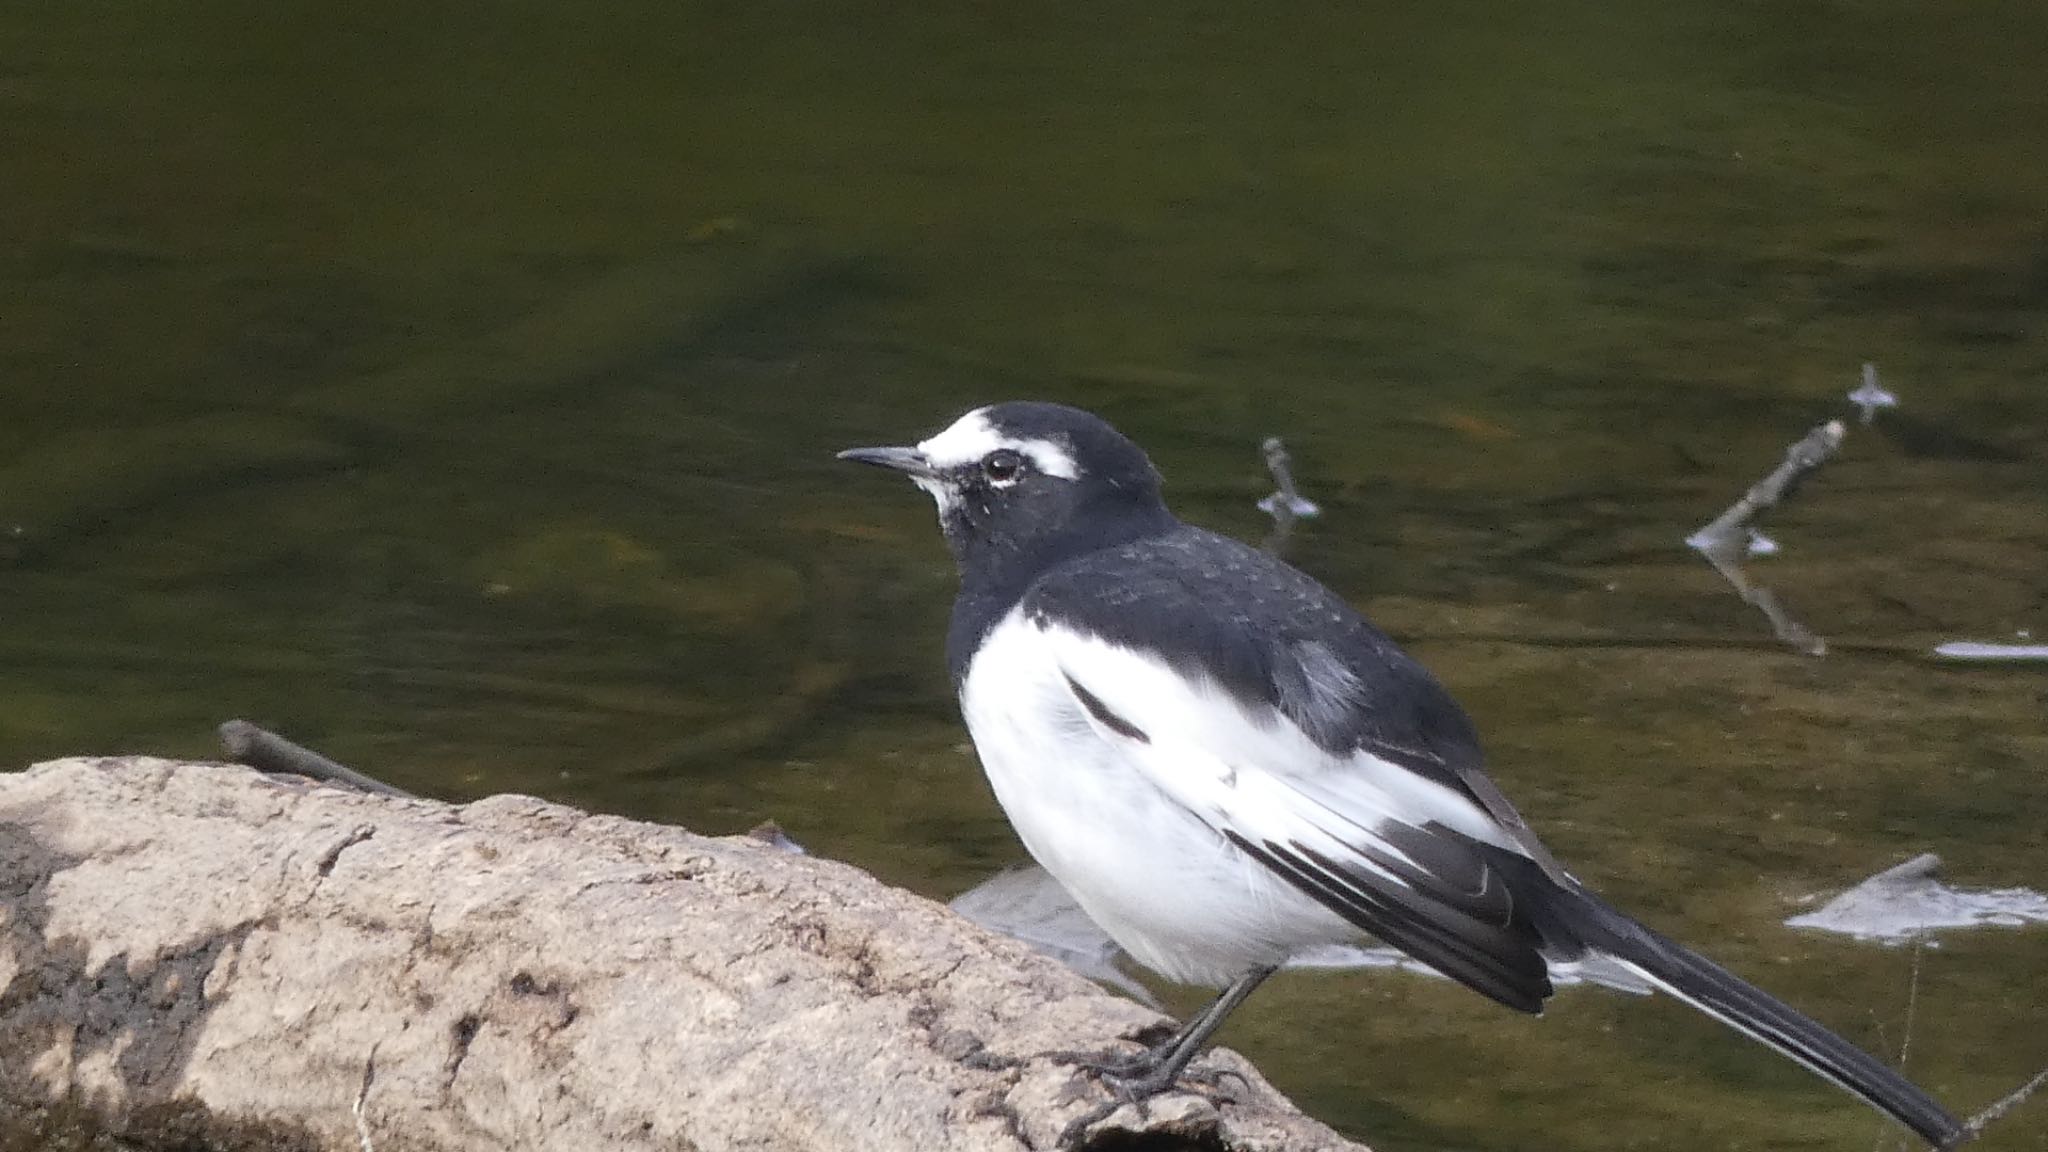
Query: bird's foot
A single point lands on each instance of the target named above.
(1071, 1135)
(1139, 1088)
(1109, 1064)
(1135, 1091)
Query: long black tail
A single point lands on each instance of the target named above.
(1748, 1009)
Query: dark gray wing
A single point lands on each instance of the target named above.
(1272, 636)
(1401, 862)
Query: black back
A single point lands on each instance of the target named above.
(1271, 637)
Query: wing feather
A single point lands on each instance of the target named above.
(1213, 608)
(1397, 854)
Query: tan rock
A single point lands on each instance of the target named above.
(198, 948)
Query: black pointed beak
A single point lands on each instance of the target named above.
(906, 460)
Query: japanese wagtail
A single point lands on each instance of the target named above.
(1225, 764)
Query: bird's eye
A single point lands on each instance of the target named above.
(1002, 465)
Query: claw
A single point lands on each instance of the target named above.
(1211, 1079)
(1070, 1136)
(1136, 1090)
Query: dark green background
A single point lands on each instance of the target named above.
(454, 389)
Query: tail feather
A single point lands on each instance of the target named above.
(1729, 998)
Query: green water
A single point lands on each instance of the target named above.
(454, 388)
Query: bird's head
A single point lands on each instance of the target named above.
(1026, 483)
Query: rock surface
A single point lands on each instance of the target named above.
(193, 949)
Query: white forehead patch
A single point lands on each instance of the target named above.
(972, 437)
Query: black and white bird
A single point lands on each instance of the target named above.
(1226, 765)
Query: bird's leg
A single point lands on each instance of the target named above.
(1138, 1078)
(1113, 1063)
(1165, 1062)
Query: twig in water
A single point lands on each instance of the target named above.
(1285, 505)
(1728, 532)
(1912, 1001)
(1969, 650)
(1975, 1125)
(268, 752)
(1726, 538)
(1906, 1036)
(1870, 396)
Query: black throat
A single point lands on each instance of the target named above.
(996, 570)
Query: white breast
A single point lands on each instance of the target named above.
(1165, 885)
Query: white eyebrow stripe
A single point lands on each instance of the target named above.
(1048, 457)
(972, 437)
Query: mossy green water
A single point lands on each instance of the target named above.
(453, 388)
